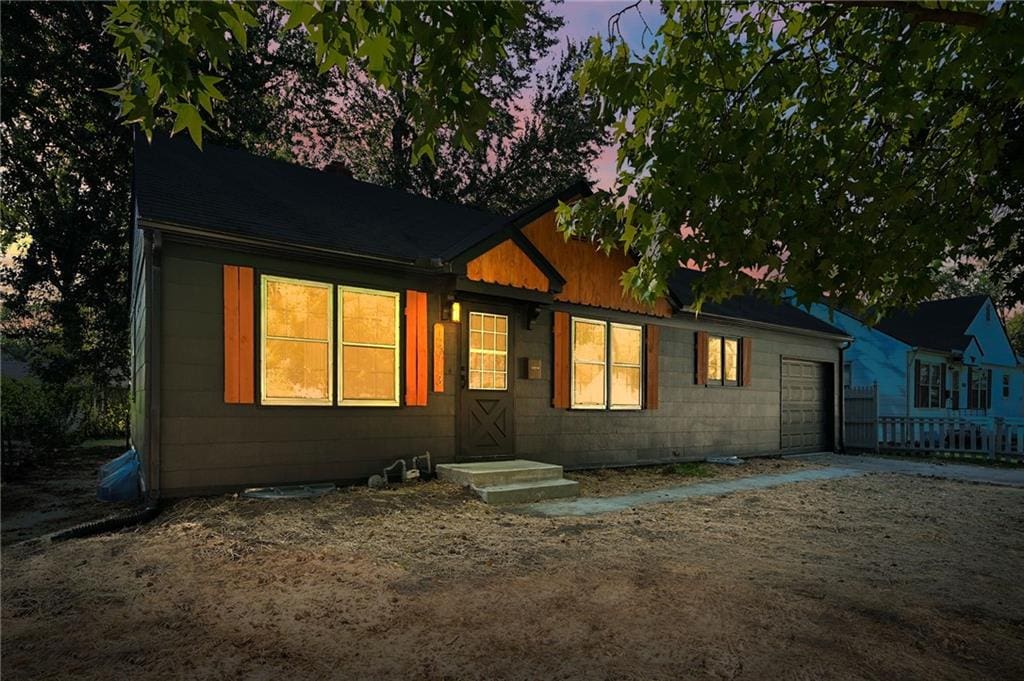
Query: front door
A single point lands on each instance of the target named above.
(485, 394)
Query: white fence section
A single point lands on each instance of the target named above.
(863, 430)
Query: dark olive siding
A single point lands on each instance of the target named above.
(207, 444)
(692, 421)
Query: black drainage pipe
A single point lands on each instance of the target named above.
(112, 524)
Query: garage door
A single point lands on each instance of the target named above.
(806, 406)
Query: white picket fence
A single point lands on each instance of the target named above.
(866, 431)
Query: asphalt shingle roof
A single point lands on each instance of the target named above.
(237, 193)
(935, 324)
(749, 307)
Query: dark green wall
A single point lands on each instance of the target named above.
(208, 445)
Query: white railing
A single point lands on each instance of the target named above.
(928, 434)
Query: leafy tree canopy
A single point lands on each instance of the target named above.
(837, 149)
(176, 51)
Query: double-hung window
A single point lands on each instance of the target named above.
(368, 336)
(297, 352)
(929, 386)
(723, 360)
(606, 365)
(978, 389)
(297, 341)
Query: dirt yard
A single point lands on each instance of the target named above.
(877, 577)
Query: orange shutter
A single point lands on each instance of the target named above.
(747, 360)
(415, 349)
(438, 357)
(701, 373)
(651, 347)
(560, 366)
(239, 380)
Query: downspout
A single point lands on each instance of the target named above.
(841, 447)
(155, 308)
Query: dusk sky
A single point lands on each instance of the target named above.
(586, 18)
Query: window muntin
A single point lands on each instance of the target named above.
(488, 351)
(626, 366)
(589, 361)
(723, 360)
(368, 363)
(295, 341)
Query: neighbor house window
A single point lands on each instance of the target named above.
(607, 364)
(977, 391)
(723, 362)
(368, 339)
(929, 386)
(296, 341)
(954, 389)
(1006, 386)
(488, 351)
(589, 360)
(847, 374)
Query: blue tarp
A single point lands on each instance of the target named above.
(119, 478)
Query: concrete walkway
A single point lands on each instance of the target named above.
(839, 466)
(991, 475)
(595, 505)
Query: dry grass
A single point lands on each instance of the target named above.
(877, 577)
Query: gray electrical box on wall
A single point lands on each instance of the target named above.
(531, 368)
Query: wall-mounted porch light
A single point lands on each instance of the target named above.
(452, 311)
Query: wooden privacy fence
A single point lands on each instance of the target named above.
(863, 429)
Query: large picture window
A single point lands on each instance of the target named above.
(368, 339)
(723, 360)
(607, 365)
(488, 351)
(296, 341)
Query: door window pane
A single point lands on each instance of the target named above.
(368, 333)
(488, 351)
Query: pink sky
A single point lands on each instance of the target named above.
(586, 18)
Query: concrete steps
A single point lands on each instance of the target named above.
(511, 482)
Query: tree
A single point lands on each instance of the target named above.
(65, 197)
(1015, 330)
(67, 175)
(520, 155)
(835, 148)
(951, 281)
(176, 51)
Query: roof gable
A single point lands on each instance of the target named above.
(592, 277)
(507, 264)
(936, 324)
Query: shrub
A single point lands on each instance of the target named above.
(37, 414)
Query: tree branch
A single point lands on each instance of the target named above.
(920, 12)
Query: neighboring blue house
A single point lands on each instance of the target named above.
(944, 358)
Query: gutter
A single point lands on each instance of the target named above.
(776, 327)
(207, 235)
